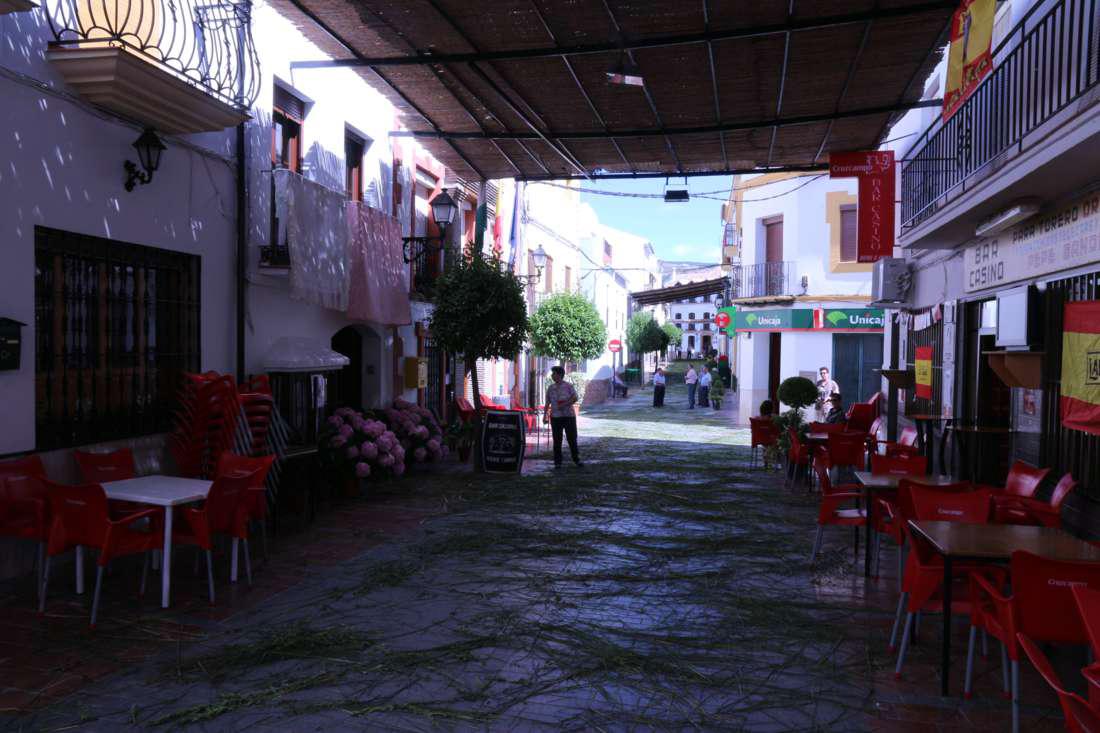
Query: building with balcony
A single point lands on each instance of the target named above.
(801, 298)
(693, 316)
(998, 225)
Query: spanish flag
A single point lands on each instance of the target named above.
(922, 365)
(1081, 367)
(969, 59)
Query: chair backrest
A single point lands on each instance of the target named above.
(231, 464)
(1042, 590)
(796, 443)
(79, 515)
(464, 406)
(860, 416)
(99, 468)
(827, 427)
(763, 431)
(1024, 479)
(876, 427)
(1065, 486)
(898, 465)
(257, 408)
(26, 466)
(905, 494)
(227, 501)
(968, 507)
(1077, 720)
(847, 448)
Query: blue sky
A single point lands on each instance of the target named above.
(691, 231)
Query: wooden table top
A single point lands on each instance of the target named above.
(923, 416)
(891, 480)
(999, 541)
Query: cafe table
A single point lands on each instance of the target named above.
(873, 482)
(163, 491)
(994, 543)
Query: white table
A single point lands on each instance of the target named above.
(162, 491)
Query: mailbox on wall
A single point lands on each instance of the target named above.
(11, 343)
(416, 372)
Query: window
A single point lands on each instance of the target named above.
(568, 278)
(354, 148)
(116, 326)
(706, 316)
(691, 316)
(679, 317)
(548, 275)
(287, 118)
(849, 232)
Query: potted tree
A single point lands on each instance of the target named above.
(797, 393)
(567, 327)
(717, 392)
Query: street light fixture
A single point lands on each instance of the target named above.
(444, 209)
(149, 149)
(538, 259)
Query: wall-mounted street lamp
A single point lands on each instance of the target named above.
(443, 214)
(149, 148)
(538, 259)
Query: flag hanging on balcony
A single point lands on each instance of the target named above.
(922, 365)
(515, 236)
(969, 60)
(1081, 367)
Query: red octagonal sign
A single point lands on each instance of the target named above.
(722, 320)
(614, 345)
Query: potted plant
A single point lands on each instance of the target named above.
(797, 393)
(354, 446)
(717, 392)
(460, 438)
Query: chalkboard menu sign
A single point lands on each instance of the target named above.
(503, 441)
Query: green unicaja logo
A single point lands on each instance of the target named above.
(751, 319)
(835, 317)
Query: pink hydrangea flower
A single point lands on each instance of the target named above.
(338, 441)
(346, 430)
(398, 469)
(369, 451)
(433, 444)
(398, 453)
(362, 470)
(420, 454)
(352, 451)
(335, 421)
(422, 432)
(386, 460)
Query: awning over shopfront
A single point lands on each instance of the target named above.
(861, 320)
(677, 293)
(521, 89)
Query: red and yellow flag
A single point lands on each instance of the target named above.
(969, 60)
(922, 365)
(1081, 367)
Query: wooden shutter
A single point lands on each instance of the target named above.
(774, 241)
(290, 105)
(849, 234)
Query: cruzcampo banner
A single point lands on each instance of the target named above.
(969, 59)
(781, 319)
(1081, 367)
(922, 364)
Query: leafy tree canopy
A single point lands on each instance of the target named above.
(644, 335)
(673, 332)
(568, 327)
(798, 392)
(479, 310)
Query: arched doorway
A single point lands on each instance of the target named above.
(359, 384)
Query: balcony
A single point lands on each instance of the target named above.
(180, 66)
(1042, 74)
(16, 6)
(761, 280)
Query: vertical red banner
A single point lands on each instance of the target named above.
(877, 188)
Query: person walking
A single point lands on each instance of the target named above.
(560, 398)
(826, 388)
(691, 379)
(705, 380)
(659, 388)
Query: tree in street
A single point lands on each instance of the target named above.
(479, 313)
(567, 327)
(644, 335)
(674, 334)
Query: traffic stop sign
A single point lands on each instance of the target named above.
(615, 345)
(722, 319)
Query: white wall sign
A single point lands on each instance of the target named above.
(1066, 238)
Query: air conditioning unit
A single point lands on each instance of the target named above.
(890, 281)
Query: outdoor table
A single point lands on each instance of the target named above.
(926, 424)
(1088, 603)
(872, 482)
(163, 491)
(991, 543)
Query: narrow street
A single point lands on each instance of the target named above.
(663, 586)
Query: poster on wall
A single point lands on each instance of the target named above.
(1028, 406)
(1080, 404)
(969, 59)
(922, 365)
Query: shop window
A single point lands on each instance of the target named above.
(116, 327)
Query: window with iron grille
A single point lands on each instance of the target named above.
(116, 325)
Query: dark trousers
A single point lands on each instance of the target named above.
(659, 395)
(691, 394)
(704, 397)
(569, 425)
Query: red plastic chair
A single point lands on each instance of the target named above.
(465, 409)
(25, 506)
(906, 443)
(798, 456)
(898, 465)
(80, 519)
(101, 468)
(1021, 510)
(257, 408)
(1081, 717)
(831, 512)
(1023, 480)
(224, 512)
(847, 448)
(488, 403)
(860, 416)
(230, 464)
(1041, 607)
(763, 434)
(922, 582)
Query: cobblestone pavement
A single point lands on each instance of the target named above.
(664, 586)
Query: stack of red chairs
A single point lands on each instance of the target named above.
(465, 409)
(25, 506)
(205, 423)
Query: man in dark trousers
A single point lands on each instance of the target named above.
(560, 398)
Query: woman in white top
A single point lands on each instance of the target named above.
(659, 388)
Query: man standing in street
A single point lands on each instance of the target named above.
(560, 398)
(826, 387)
(691, 379)
(704, 387)
(659, 388)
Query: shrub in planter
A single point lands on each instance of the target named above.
(717, 392)
(798, 393)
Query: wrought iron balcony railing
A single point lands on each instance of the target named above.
(1053, 63)
(206, 43)
(761, 279)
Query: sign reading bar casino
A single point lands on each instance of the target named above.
(811, 319)
(1061, 240)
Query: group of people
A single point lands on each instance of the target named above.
(698, 384)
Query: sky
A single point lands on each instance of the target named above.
(691, 231)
